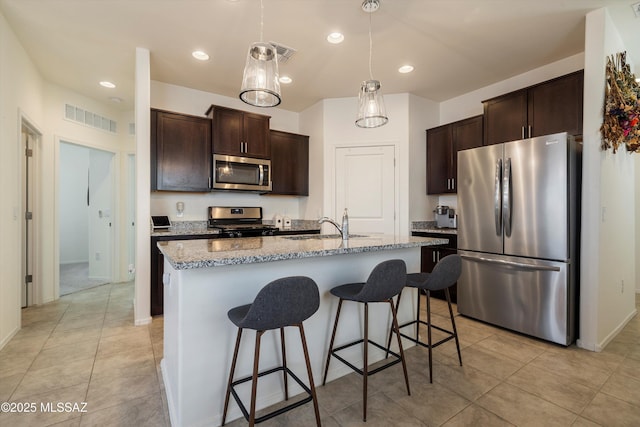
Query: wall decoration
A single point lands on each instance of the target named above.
(621, 106)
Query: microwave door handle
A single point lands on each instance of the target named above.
(497, 197)
(260, 174)
(506, 198)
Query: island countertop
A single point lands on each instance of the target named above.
(190, 254)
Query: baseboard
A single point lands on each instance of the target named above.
(143, 321)
(167, 392)
(6, 339)
(616, 331)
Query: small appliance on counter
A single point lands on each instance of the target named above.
(446, 217)
(160, 222)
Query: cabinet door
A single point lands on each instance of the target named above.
(289, 163)
(256, 135)
(182, 152)
(556, 106)
(228, 128)
(439, 160)
(505, 118)
(466, 134)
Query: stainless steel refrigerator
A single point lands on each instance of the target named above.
(518, 231)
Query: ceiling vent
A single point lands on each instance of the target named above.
(284, 52)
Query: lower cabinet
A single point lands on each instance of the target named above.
(430, 255)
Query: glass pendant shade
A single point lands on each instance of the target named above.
(260, 85)
(371, 111)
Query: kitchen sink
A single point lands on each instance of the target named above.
(320, 236)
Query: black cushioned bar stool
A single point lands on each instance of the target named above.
(444, 275)
(284, 302)
(385, 282)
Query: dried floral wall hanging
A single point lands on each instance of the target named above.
(621, 106)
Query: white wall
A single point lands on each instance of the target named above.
(312, 124)
(190, 101)
(73, 209)
(609, 220)
(101, 215)
(21, 89)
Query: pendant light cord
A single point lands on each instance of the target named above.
(261, 20)
(370, 47)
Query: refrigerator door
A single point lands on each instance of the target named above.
(524, 295)
(535, 198)
(480, 199)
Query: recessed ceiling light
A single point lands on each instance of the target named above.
(200, 55)
(107, 84)
(285, 79)
(406, 69)
(335, 38)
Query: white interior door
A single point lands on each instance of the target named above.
(365, 185)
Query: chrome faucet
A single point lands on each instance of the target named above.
(344, 230)
(335, 224)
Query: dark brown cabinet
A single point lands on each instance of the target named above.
(289, 163)
(240, 133)
(443, 144)
(549, 107)
(180, 152)
(430, 255)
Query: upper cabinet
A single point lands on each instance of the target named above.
(289, 163)
(546, 108)
(443, 144)
(180, 152)
(240, 133)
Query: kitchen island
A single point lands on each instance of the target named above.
(205, 278)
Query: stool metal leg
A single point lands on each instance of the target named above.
(333, 336)
(429, 334)
(233, 368)
(418, 316)
(310, 374)
(397, 331)
(254, 380)
(391, 331)
(365, 357)
(284, 365)
(453, 324)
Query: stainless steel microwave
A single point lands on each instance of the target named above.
(241, 173)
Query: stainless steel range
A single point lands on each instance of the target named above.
(238, 221)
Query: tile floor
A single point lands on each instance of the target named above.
(84, 348)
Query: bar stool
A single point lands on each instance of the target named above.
(284, 302)
(385, 281)
(444, 275)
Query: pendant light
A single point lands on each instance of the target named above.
(371, 110)
(260, 85)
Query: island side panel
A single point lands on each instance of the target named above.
(199, 338)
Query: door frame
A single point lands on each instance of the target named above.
(115, 205)
(35, 296)
(330, 189)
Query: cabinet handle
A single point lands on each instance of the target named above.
(241, 147)
(209, 182)
(433, 256)
(529, 131)
(438, 256)
(523, 132)
(453, 183)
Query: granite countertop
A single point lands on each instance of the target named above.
(189, 254)
(430, 227)
(197, 228)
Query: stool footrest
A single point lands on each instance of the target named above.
(396, 356)
(277, 412)
(433, 345)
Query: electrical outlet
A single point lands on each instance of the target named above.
(636, 9)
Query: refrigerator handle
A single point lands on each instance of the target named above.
(497, 197)
(511, 263)
(506, 198)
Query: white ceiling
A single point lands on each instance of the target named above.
(455, 45)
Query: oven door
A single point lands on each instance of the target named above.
(241, 173)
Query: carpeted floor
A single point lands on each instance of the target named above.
(75, 277)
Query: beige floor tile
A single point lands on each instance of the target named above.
(581, 369)
(340, 393)
(137, 338)
(75, 394)
(630, 367)
(60, 355)
(553, 388)
(583, 422)
(69, 374)
(8, 384)
(73, 336)
(131, 362)
(524, 409)
(111, 391)
(489, 362)
(609, 411)
(381, 411)
(466, 381)
(474, 415)
(144, 411)
(623, 387)
(511, 348)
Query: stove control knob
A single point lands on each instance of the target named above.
(238, 233)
